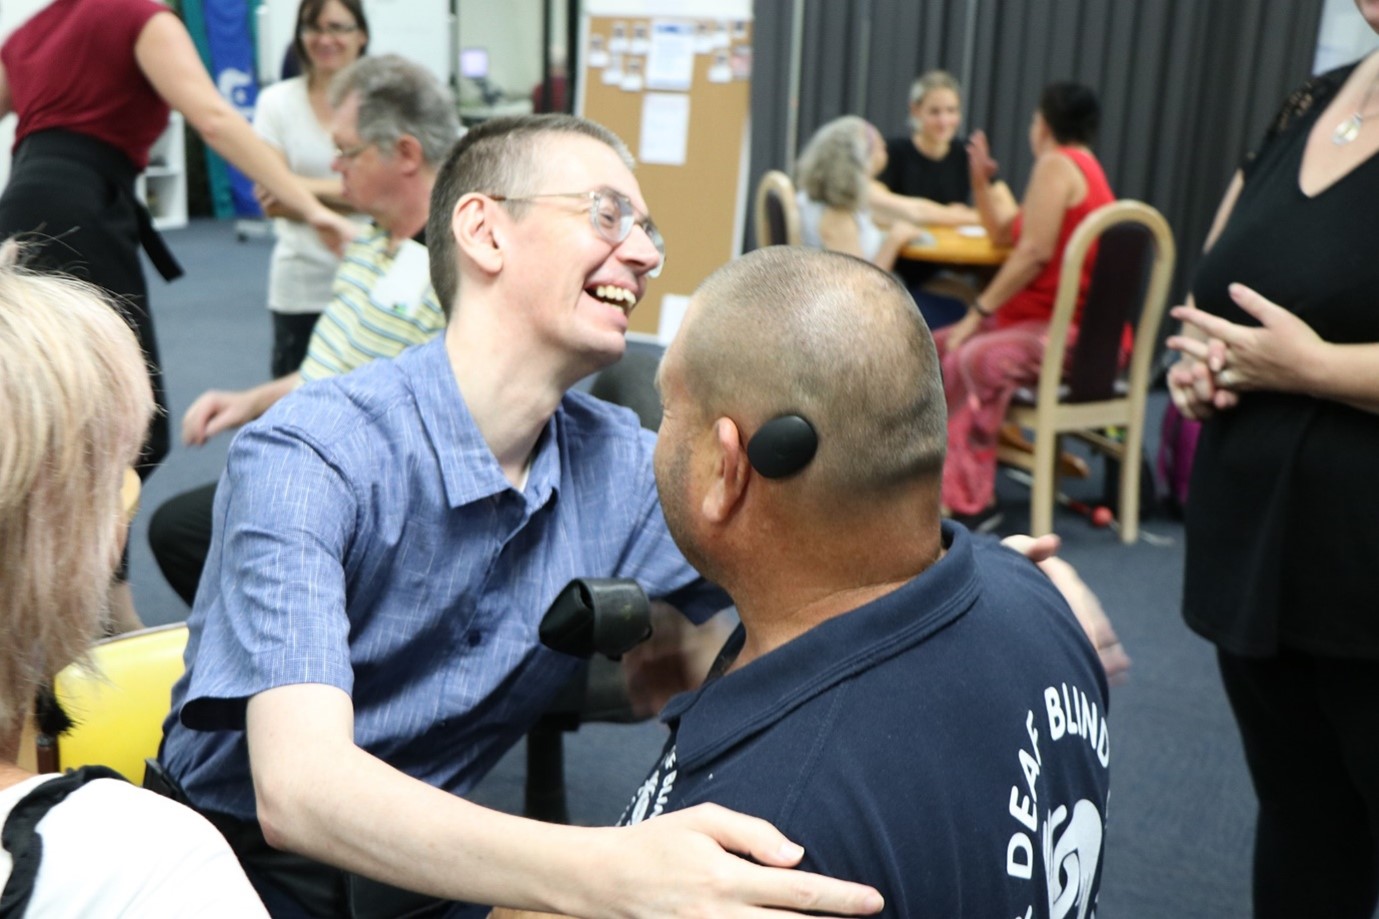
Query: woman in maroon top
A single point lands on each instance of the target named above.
(997, 347)
(92, 82)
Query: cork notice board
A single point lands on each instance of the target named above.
(675, 86)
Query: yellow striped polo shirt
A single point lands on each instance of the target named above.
(356, 328)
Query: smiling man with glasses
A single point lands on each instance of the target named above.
(363, 646)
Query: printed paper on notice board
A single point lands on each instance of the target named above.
(670, 57)
(665, 128)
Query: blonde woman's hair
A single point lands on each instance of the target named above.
(75, 404)
(832, 168)
(926, 83)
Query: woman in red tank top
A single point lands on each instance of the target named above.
(998, 346)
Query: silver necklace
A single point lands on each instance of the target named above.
(1349, 128)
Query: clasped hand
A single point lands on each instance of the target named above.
(1224, 359)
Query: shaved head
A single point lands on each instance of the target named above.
(830, 337)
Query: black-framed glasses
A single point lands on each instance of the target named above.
(612, 215)
(333, 29)
(342, 153)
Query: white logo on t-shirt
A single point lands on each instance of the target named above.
(1069, 841)
(651, 798)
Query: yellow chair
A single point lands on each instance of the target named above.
(778, 215)
(119, 705)
(1086, 393)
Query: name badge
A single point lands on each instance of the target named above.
(403, 286)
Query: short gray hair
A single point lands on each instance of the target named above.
(835, 339)
(833, 166)
(398, 97)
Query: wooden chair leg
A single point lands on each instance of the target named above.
(1045, 483)
(1131, 466)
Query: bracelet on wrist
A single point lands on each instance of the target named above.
(982, 311)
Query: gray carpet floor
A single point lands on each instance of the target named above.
(1182, 814)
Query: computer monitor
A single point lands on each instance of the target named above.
(474, 63)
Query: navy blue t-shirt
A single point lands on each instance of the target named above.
(946, 743)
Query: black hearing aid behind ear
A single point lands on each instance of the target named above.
(782, 446)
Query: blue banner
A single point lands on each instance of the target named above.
(229, 53)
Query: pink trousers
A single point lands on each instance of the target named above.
(979, 377)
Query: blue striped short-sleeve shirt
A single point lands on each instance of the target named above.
(366, 538)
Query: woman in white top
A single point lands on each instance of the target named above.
(77, 403)
(294, 117)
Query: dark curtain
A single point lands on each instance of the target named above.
(1186, 86)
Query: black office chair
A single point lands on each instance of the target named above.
(597, 693)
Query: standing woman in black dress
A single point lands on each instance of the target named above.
(92, 82)
(1280, 358)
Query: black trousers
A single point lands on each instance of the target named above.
(291, 335)
(179, 533)
(1310, 728)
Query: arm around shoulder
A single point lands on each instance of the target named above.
(405, 832)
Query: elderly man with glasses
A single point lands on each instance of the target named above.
(363, 646)
(393, 124)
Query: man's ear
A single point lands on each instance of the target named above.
(409, 155)
(731, 472)
(472, 225)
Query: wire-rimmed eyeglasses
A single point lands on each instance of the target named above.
(611, 214)
(341, 153)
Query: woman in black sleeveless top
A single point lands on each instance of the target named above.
(1280, 357)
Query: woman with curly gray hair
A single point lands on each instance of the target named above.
(842, 205)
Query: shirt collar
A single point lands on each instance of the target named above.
(468, 467)
(737, 705)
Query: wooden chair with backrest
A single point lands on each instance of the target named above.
(777, 213)
(1082, 391)
(118, 705)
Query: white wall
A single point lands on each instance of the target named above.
(422, 30)
(511, 31)
(1343, 36)
(425, 31)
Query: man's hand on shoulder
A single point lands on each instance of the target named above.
(690, 856)
(1085, 605)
